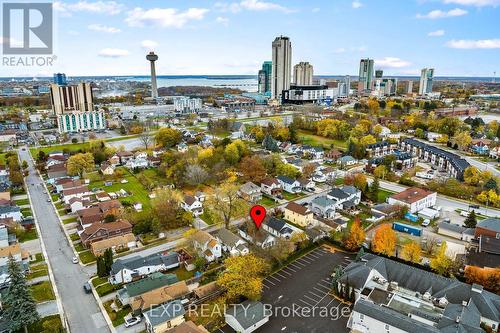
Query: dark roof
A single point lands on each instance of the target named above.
(286, 179)
(491, 223)
(138, 261)
(150, 282)
(165, 312)
(451, 227)
(274, 223)
(296, 208)
(489, 245)
(338, 194)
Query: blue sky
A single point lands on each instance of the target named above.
(456, 37)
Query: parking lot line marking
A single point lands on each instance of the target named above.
(326, 280)
(298, 267)
(323, 285)
(302, 259)
(284, 271)
(323, 250)
(272, 277)
(316, 295)
(310, 298)
(277, 273)
(266, 286)
(321, 291)
(270, 282)
(301, 300)
(313, 255)
(320, 300)
(290, 268)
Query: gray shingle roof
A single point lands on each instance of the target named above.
(323, 201)
(165, 312)
(451, 227)
(247, 313)
(138, 261)
(338, 194)
(491, 223)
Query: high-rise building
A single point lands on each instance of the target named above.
(282, 66)
(264, 78)
(379, 73)
(426, 77)
(152, 57)
(365, 83)
(60, 79)
(347, 81)
(303, 74)
(409, 87)
(74, 108)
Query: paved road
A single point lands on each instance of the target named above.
(81, 310)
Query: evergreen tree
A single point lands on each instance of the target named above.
(491, 184)
(21, 309)
(101, 267)
(270, 144)
(108, 259)
(471, 220)
(374, 188)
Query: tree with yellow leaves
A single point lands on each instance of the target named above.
(412, 252)
(355, 237)
(80, 163)
(441, 263)
(384, 241)
(225, 200)
(243, 277)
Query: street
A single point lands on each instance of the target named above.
(81, 310)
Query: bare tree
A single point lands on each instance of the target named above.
(195, 174)
(430, 245)
(226, 201)
(146, 139)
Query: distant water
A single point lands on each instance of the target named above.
(243, 83)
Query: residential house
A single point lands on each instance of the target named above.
(130, 269)
(324, 207)
(250, 192)
(260, 237)
(161, 295)
(116, 244)
(139, 287)
(277, 227)
(107, 169)
(188, 327)
(67, 184)
(77, 192)
(13, 212)
(346, 161)
(54, 160)
(230, 242)
(164, 317)
(88, 216)
(306, 184)
(207, 245)
(20, 256)
(289, 185)
(191, 204)
(271, 187)
(103, 231)
(246, 317)
(123, 157)
(137, 163)
(480, 146)
(380, 149)
(414, 198)
(56, 172)
(332, 155)
(182, 147)
(345, 197)
(494, 152)
(76, 204)
(451, 230)
(237, 130)
(298, 214)
(394, 297)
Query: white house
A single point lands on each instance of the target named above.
(289, 185)
(345, 197)
(126, 270)
(193, 205)
(414, 198)
(247, 316)
(107, 169)
(278, 228)
(13, 212)
(207, 245)
(250, 192)
(137, 163)
(324, 207)
(259, 237)
(231, 243)
(270, 186)
(77, 204)
(77, 192)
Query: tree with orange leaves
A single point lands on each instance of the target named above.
(489, 278)
(355, 237)
(384, 241)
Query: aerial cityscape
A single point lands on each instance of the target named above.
(250, 166)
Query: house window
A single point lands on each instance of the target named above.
(361, 316)
(387, 327)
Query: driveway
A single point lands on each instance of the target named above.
(81, 310)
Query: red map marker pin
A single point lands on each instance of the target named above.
(258, 214)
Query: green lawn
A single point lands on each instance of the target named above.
(290, 196)
(38, 258)
(55, 197)
(70, 220)
(74, 237)
(308, 138)
(22, 202)
(38, 271)
(105, 289)
(133, 187)
(182, 273)
(26, 212)
(79, 247)
(99, 280)
(207, 217)
(28, 235)
(383, 195)
(43, 292)
(37, 327)
(267, 202)
(117, 318)
(86, 257)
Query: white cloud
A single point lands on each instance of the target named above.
(103, 28)
(149, 44)
(435, 14)
(251, 5)
(477, 3)
(315, 10)
(101, 7)
(222, 20)
(392, 62)
(356, 4)
(339, 50)
(474, 44)
(436, 33)
(113, 53)
(164, 17)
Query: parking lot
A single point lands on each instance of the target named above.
(299, 295)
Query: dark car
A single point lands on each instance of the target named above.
(87, 288)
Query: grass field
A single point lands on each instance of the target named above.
(43, 292)
(37, 327)
(267, 202)
(28, 235)
(133, 187)
(86, 257)
(311, 139)
(383, 195)
(22, 202)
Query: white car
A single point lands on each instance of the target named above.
(75, 260)
(464, 213)
(132, 321)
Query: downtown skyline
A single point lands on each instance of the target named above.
(456, 37)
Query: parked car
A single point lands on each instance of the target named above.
(464, 213)
(75, 260)
(132, 321)
(87, 288)
(426, 223)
